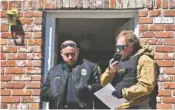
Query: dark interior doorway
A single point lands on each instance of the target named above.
(95, 37)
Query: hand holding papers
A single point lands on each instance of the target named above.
(105, 95)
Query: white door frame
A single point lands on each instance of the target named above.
(50, 21)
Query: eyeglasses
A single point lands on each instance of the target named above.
(68, 44)
(119, 48)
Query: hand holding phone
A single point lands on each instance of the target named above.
(117, 57)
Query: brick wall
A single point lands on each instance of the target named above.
(21, 66)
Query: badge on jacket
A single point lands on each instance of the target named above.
(83, 72)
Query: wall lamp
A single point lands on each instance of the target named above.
(16, 27)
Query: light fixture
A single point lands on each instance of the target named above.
(12, 16)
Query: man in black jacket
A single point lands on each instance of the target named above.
(71, 84)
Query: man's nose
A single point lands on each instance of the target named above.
(70, 56)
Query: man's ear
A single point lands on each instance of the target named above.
(61, 53)
(78, 51)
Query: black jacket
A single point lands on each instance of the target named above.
(85, 73)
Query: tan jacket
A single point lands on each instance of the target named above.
(146, 76)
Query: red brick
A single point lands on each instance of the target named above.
(8, 63)
(169, 42)
(38, 42)
(164, 106)
(163, 34)
(28, 14)
(12, 99)
(4, 5)
(31, 42)
(169, 27)
(146, 34)
(47, 6)
(37, 49)
(164, 4)
(157, 3)
(22, 78)
(6, 78)
(170, 100)
(5, 92)
(169, 56)
(36, 63)
(154, 41)
(21, 92)
(164, 78)
(143, 13)
(143, 41)
(19, 56)
(33, 85)
(164, 92)
(12, 4)
(15, 85)
(34, 56)
(52, 4)
(18, 4)
(2, 56)
(36, 92)
(171, 4)
(26, 49)
(154, 13)
(164, 49)
(3, 14)
(35, 106)
(26, 20)
(14, 70)
(38, 20)
(4, 28)
(145, 20)
(143, 27)
(27, 99)
(2, 85)
(37, 14)
(170, 85)
(9, 49)
(169, 71)
(159, 56)
(28, 35)
(4, 106)
(37, 35)
(33, 70)
(36, 78)
(41, 2)
(2, 70)
(3, 41)
(18, 106)
(165, 63)
(156, 27)
(31, 5)
(169, 13)
(6, 35)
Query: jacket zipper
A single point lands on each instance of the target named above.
(74, 88)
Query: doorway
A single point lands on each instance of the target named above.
(95, 37)
(94, 30)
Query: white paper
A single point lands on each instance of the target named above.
(105, 95)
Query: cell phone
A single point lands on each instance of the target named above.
(117, 57)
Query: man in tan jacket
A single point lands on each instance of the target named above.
(134, 76)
